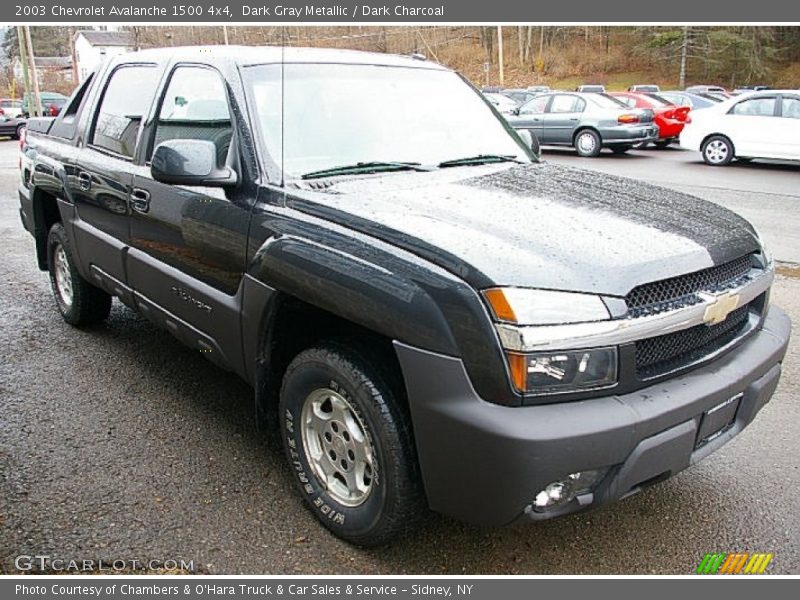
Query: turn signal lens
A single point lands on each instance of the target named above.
(500, 307)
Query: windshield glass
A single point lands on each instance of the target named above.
(340, 114)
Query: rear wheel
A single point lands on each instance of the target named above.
(588, 143)
(78, 301)
(717, 151)
(348, 440)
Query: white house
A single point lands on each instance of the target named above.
(92, 47)
(51, 71)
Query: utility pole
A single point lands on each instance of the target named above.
(37, 99)
(26, 79)
(225, 33)
(500, 53)
(684, 51)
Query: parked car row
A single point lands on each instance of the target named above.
(721, 126)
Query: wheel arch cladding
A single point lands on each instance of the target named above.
(45, 214)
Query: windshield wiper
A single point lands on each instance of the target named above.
(480, 159)
(365, 167)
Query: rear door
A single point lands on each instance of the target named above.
(753, 125)
(562, 118)
(188, 244)
(100, 182)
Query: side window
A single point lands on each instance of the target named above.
(535, 106)
(68, 114)
(761, 107)
(790, 108)
(127, 97)
(195, 106)
(566, 104)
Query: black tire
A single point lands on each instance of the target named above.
(86, 304)
(718, 151)
(587, 142)
(662, 144)
(394, 501)
(621, 149)
(18, 132)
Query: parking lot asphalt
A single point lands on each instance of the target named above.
(117, 442)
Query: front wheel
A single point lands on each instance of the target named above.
(18, 132)
(588, 143)
(717, 151)
(348, 441)
(662, 144)
(78, 301)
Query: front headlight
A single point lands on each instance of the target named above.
(564, 371)
(525, 306)
(764, 251)
(553, 371)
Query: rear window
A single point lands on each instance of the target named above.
(127, 97)
(606, 101)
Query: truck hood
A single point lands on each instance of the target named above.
(537, 225)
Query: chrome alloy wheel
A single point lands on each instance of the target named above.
(586, 142)
(63, 278)
(337, 447)
(716, 151)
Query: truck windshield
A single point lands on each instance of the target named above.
(343, 114)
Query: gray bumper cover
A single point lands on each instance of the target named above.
(484, 463)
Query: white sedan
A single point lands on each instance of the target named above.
(756, 125)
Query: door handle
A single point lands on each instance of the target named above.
(140, 200)
(573, 118)
(84, 180)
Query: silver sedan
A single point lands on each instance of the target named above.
(586, 121)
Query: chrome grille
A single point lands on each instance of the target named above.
(672, 293)
(663, 354)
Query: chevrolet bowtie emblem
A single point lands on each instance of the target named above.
(720, 307)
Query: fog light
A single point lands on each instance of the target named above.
(564, 491)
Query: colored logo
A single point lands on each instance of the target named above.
(734, 564)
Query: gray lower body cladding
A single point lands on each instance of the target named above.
(484, 463)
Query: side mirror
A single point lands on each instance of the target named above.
(190, 162)
(515, 111)
(530, 140)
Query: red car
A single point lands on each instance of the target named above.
(669, 118)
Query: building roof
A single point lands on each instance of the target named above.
(107, 38)
(54, 62)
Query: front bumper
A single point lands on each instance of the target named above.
(484, 463)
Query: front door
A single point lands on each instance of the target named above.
(562, 118)
(188, 244)
(530, 116)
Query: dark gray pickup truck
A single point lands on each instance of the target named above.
(430, 315)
